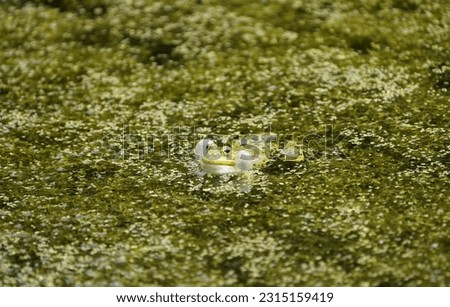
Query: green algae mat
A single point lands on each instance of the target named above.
(102, 103)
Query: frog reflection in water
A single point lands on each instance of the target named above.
(242, 156)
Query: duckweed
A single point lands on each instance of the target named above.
(102, 103)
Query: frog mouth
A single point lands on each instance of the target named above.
(222, 162)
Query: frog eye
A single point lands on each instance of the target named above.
(226, 149)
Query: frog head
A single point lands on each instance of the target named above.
(244, 154)
(225, 160)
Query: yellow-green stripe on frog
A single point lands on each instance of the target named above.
(216, 161)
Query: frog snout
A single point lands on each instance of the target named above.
(201, 149)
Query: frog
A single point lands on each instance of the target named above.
(243, 154)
